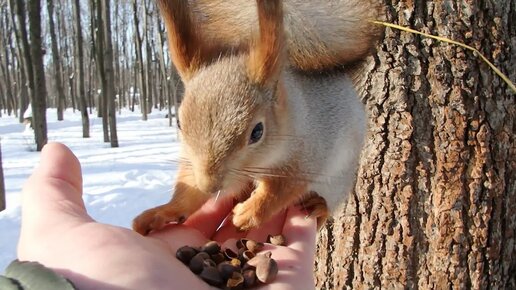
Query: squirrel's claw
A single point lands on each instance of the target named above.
(316, 207)
(155, 219)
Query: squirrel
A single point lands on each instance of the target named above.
(255, 118)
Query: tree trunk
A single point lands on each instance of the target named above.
(2, 185)
(6, 65)
(19, 7)
(93, 54)
(55, 60)
(38, 98)
(4, 68)
(109, 74)
(7, 43)
(80, 72)
(138, 45)
(2, 100)
(435, 202)
(67, 72)
(23, 91)
(149, 76)
(165, 78)
(71, 89)
(100, 40)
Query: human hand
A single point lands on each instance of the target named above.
(58, 232)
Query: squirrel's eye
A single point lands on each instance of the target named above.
(257, 133)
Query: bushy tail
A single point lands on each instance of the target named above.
(321, 34)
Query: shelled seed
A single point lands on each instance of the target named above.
(230, 254)
(254, 246)
(266, 270)
(236, 282)
(247, 255)
(278, 240)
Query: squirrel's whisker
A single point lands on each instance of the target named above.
(217, 197)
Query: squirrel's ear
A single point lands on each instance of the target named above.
(186, 49)
(265, 55)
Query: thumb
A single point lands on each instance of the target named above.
(52, 197)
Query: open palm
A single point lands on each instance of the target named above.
(58, 232)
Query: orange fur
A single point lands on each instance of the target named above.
(270, 196)
(186, 200)
(227, 97)
(265, 56)
(320, 34)
(316, 207)
(187, 50)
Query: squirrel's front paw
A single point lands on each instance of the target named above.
(316, 207)
(246, 217)
(155, 219)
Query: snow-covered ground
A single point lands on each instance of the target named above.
(118, 182)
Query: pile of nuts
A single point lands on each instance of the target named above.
(229, 270)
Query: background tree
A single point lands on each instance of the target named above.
(7, 89)
(109, 74)
(101, 70)
(435, 202)
(139, 54)
(142, 74)
(18, 8)
(21, 67)
(39, 95)
(2, 184)
(79, 71)
(55, 61)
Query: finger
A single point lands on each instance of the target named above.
(274, 226)
(300, 231)
(210, 216)
(53, 194)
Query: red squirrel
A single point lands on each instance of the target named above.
(262, 108)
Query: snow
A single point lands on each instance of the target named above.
(119, 183)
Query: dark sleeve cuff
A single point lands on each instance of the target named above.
(32, 276)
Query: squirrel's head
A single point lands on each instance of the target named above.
(233, 109)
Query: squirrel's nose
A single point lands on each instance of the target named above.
(208, 184)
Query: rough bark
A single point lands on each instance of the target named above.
(80, 71)
(435, 201)
(39, 95)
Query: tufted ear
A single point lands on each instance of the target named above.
(267, 52)
(186, 48)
